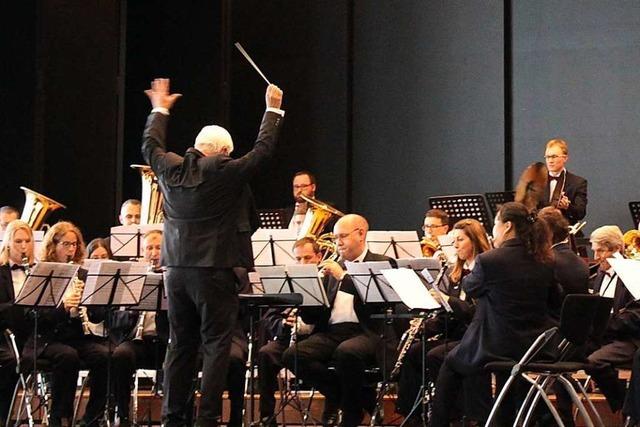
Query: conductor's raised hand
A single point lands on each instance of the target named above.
(273, 96)
(159, 94)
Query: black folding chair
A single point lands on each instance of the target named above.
(581, 315)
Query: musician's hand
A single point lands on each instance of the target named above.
(332, 268)
(71, 300)
(564, 202)
(159, 94)
(291, 318)
(273, 97)
(439, 296)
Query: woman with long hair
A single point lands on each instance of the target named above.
(512, 286)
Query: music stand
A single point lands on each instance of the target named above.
(272, 218)
(395, 244)
(463, 206)
(126, 240)
(634, 208)
(369, 282)
(433, 265)
(496, 199)
(273, 246)
(302, 279)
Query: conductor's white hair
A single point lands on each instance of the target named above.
(213, 139)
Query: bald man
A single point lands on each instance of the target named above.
(344, 335)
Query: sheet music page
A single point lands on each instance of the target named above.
(273, 279)
(60, 273)
(283, 240)
(307, 281)
(100, 281)
(256, 283)
(629, 271)
(410, 289)
(123, 240)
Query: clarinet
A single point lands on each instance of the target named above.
(80, 312)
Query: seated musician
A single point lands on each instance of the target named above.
(63, 340)
(512, 286)
(141, 336)
(130, 212)
(436, 223)
(299, 215)
(344, 334)
(7, 214)
(99, 248)
(445, 330)
(622, 336)
(564, 190)
(16, 255)
(278, 329)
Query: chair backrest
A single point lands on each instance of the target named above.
(601, 318)
(634, 208)
(494, 200)
(463, 206)
(577, 317)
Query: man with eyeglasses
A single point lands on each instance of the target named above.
(345, 336)
(564, 190)
(436, 223)
(304, 183)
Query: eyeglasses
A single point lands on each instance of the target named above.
(343, 236)
(431, 226)
(301, 186)
(69, 244)
(554, 156)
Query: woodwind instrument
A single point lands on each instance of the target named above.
(80, 312)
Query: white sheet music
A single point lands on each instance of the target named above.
(410, 289)
(56, 276)
(360, 273)
(100, 281)
(306, 281)
(126, 240)
(282, 241)
(629, 271)
(407, 243)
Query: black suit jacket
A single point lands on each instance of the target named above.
(624, 323)
(570, 271)
(12, 317)
(512, 292)
(575, 188)
(124, 324)
(203, 195)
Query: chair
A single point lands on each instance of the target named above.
(634, 208)
(581, 315)
(33, 385)
(494, 200)
(463, 206)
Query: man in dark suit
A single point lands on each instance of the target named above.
(202, 201)
(344, 334)
(564, 190)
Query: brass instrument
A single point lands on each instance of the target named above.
(37, 207)
(322, 214)
(429, 246)
(151, 210)
(631, 241)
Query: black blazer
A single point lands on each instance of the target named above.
(202, 195)
(575, 188)
(453, 324)
(624, 323)
(512, 292)
(570, 271)
(12, 317)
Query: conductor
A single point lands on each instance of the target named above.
(201, 203)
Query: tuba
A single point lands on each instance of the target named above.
(151, 211)
(37, 207)
(631, 241)
(322, 214)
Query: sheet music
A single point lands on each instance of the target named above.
(33, 290)
(273, 279)
(100, 280)
(283, 240)
(153, 283)
(126, 240)
(629, 272)
(360, 273)
(407, 243)
(306, 281)
(410, 289)
(256, 283)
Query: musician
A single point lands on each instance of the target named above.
(565, 191)
(445, 330)
(344, 334)
(200, 247)
(130, 212)
(631, 407)
(436, 223)
(15, 256)
(141, 337)
(512, 286)
(99, 248)
(7, 214)
(61, 340)
(278, 328)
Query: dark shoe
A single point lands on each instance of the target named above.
(269, 421)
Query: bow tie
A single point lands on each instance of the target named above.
(17, 267)
(553, 178)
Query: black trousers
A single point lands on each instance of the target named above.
(269, 364)
(632, 402)
(66, 359)
(147, 353)
(350, 350)
(8, 379)
(203, 308)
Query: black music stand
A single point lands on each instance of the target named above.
(496, 199)
(44, 286)
(253, 302)
(273, 247)
(463, 206)
(112, 284)
(634, 208)
(272, 218)
(395, 244)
